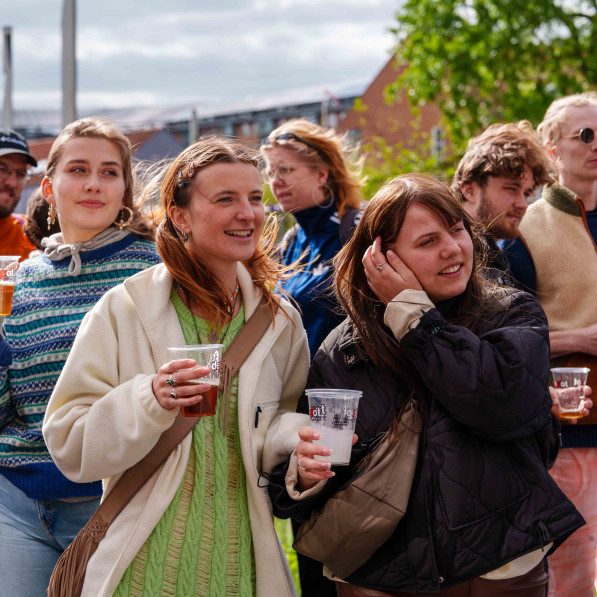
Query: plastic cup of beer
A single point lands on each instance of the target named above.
(570, 382)
(334, 414)
(205, 355)
(9, 264)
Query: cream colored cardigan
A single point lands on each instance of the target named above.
(103, 418)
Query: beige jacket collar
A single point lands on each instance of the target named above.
(150, 292)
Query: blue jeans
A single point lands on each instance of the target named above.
(33, 535)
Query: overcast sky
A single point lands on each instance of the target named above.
(175, 52)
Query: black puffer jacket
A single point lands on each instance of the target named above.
(482, 495)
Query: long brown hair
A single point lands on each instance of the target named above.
(188, 269)
(384, 217)
(97, 127)
(324, 148)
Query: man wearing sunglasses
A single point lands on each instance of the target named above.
(501, 168)
(556, 257)
(15, 159)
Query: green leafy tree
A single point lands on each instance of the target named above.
(386, 161)
(485, 61)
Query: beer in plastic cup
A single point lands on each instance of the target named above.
(9, 264)
(205, 355)
(570, 382)
(334, 414)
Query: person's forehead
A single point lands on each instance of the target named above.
(14, 160)
(526, 178)
(579, 117)
(279, 154)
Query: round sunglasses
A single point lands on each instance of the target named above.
(586, 135)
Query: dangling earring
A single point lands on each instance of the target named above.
(51, 216)
(122, 223)
(325, 204)
(184, 236)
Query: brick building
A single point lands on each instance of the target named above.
(372, 119)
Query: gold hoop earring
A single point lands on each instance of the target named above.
(51, 216)
(122, 223)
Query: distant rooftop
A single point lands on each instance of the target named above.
(45, 122)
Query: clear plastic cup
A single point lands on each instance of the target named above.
(569, 383)
(334, 414)
(205, 355)
(9, 264)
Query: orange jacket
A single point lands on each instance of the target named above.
(13, 241)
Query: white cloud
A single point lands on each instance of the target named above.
(184, 51)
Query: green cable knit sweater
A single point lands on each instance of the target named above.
(202, 545)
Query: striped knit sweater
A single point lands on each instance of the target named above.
(48, 307)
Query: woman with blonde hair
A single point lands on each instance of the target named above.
(104, 238)
(209, 529)
(312, 176)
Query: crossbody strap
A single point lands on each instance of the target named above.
(135, 477)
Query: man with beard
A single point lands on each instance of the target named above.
(15, 158)
(499, 171)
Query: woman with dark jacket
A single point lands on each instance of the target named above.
(483, 511)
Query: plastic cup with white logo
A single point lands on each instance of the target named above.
(334, 414)
(9, 264)
(569, 383)
(205, 355)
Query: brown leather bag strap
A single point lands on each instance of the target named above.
(246, 340)
(135, 477)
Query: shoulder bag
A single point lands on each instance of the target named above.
(356, 521)
(69, 573)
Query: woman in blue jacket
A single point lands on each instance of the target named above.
(312, 177)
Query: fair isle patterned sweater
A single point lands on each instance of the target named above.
(48, 307)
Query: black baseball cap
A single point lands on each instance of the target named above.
(13, 142)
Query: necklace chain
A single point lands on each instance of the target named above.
(212, 335)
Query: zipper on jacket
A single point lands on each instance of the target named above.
(257, 412)
(281, 556)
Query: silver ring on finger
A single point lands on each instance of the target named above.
(299, 464)
(173, 396)
(379, 267)
(170, 382)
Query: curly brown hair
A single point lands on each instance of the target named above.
(504, 150)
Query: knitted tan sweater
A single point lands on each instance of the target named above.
(555, 233)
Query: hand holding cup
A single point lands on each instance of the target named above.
(555, 409)
(311, 471)
(569, 393)
(174, 385)
(311, 459)
(206, 356)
